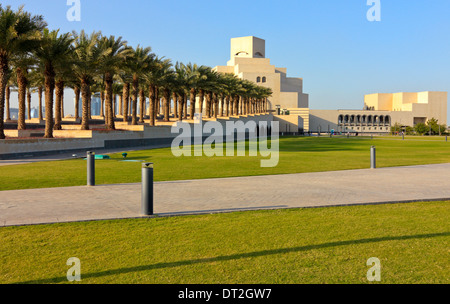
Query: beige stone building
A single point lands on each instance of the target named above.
(381, 111)
(248, 61)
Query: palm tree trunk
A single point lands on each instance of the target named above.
(185, 114)
(215, 103)
(166, 104)
(152, 100)
(4, 69)
(222, 105)
(89, 104)
(181, 107)
(109, 120)
(28, 103)
(201, 96)
(102, 107)
(126, 97)
(227, 106)
(192, 103)
(77, 92)
(62, 102)
(58, 101)
(141, 105)
(8, 96)
(135, 96)
(236, 105)
(208, 104)
(49, 75)
(40, 103)
(85, 100)
(120, 104)
(22, 87)
(175, 104)
(114, 105)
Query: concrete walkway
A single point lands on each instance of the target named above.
(37, 206)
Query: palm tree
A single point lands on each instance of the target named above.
(139, 63)
(19, 34)
(166, 79)
(23, 63)
(195, 75)
(202, 84)
(54, 51)
(85, 68)
(115, 52)
(63, 75)
(151, 77)
(126, 78)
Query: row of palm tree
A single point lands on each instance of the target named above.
(36, 59)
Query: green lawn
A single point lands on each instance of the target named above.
(297, 155)
(322, 245)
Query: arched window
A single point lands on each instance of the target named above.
(340, 119)
(346, 119)
(264, 79)
(358, 119)
(258, 79)
(352, 119)
(364, 119)
(241, 52)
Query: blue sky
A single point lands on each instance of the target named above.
(330, 44)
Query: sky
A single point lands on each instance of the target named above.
(331, 44)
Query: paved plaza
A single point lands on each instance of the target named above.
(352, 187)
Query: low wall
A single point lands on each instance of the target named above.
(75, 140)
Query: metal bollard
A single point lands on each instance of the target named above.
(147, 189)
(373, 157)
(90, 168)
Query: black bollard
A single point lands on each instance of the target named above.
(147, 189)
(90, 168)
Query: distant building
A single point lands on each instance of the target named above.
(381, 111)
(248, 61)
(96, 104)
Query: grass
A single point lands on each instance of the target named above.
(322, 245)
(297, 155)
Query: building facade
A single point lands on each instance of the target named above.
(381, 111)
(290, 105)
(248, 61)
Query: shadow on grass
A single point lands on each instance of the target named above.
(237, 257)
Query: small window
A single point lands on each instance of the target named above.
(264, 79)
(258, 79)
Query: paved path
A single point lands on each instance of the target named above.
(38, 206)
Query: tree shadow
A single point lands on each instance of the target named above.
(237, 257)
